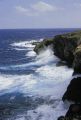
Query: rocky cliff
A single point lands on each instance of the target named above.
(68, 48)
(41, 46)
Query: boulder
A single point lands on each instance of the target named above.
(73, 92)
(74, 112)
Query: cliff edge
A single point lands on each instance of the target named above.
(66, 46)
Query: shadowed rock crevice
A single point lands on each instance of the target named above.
(73, 92)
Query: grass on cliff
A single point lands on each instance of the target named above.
(76, 34)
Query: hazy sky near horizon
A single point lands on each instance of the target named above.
(40, 14)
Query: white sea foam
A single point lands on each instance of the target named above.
(31, 54)
(48, 80)
(20, 49)
(47, 112)
(24, 44)
(5, 82)
(47, 76)
(46, 57)
(53, 77)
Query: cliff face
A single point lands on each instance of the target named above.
(73, 92)
(66, 46)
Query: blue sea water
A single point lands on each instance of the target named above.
(31, 86)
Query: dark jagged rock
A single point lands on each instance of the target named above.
(64, 47)
(68, 48)
(74, 113)
(73, 92)
(61, 118)
(61, 63)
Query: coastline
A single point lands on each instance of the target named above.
(67, 47)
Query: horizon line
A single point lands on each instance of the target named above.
(40, 28)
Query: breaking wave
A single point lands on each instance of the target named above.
(48, 81)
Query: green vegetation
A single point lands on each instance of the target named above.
(76, 34)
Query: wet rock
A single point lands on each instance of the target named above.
(61, 63)
(64, 47)
(74, 112)
(61, 118)
(73, 92)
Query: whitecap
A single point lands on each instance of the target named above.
(47, 112)
(31, 54)
(24, 44)
(47, 80)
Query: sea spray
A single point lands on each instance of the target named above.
(47, 82)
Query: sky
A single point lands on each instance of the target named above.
(40, 14)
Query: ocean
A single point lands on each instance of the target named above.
(31, 86)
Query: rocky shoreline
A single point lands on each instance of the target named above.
(68, 48)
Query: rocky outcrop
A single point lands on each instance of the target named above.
(67, 47)
(64, 47)
(74, 113)
(73, 92)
